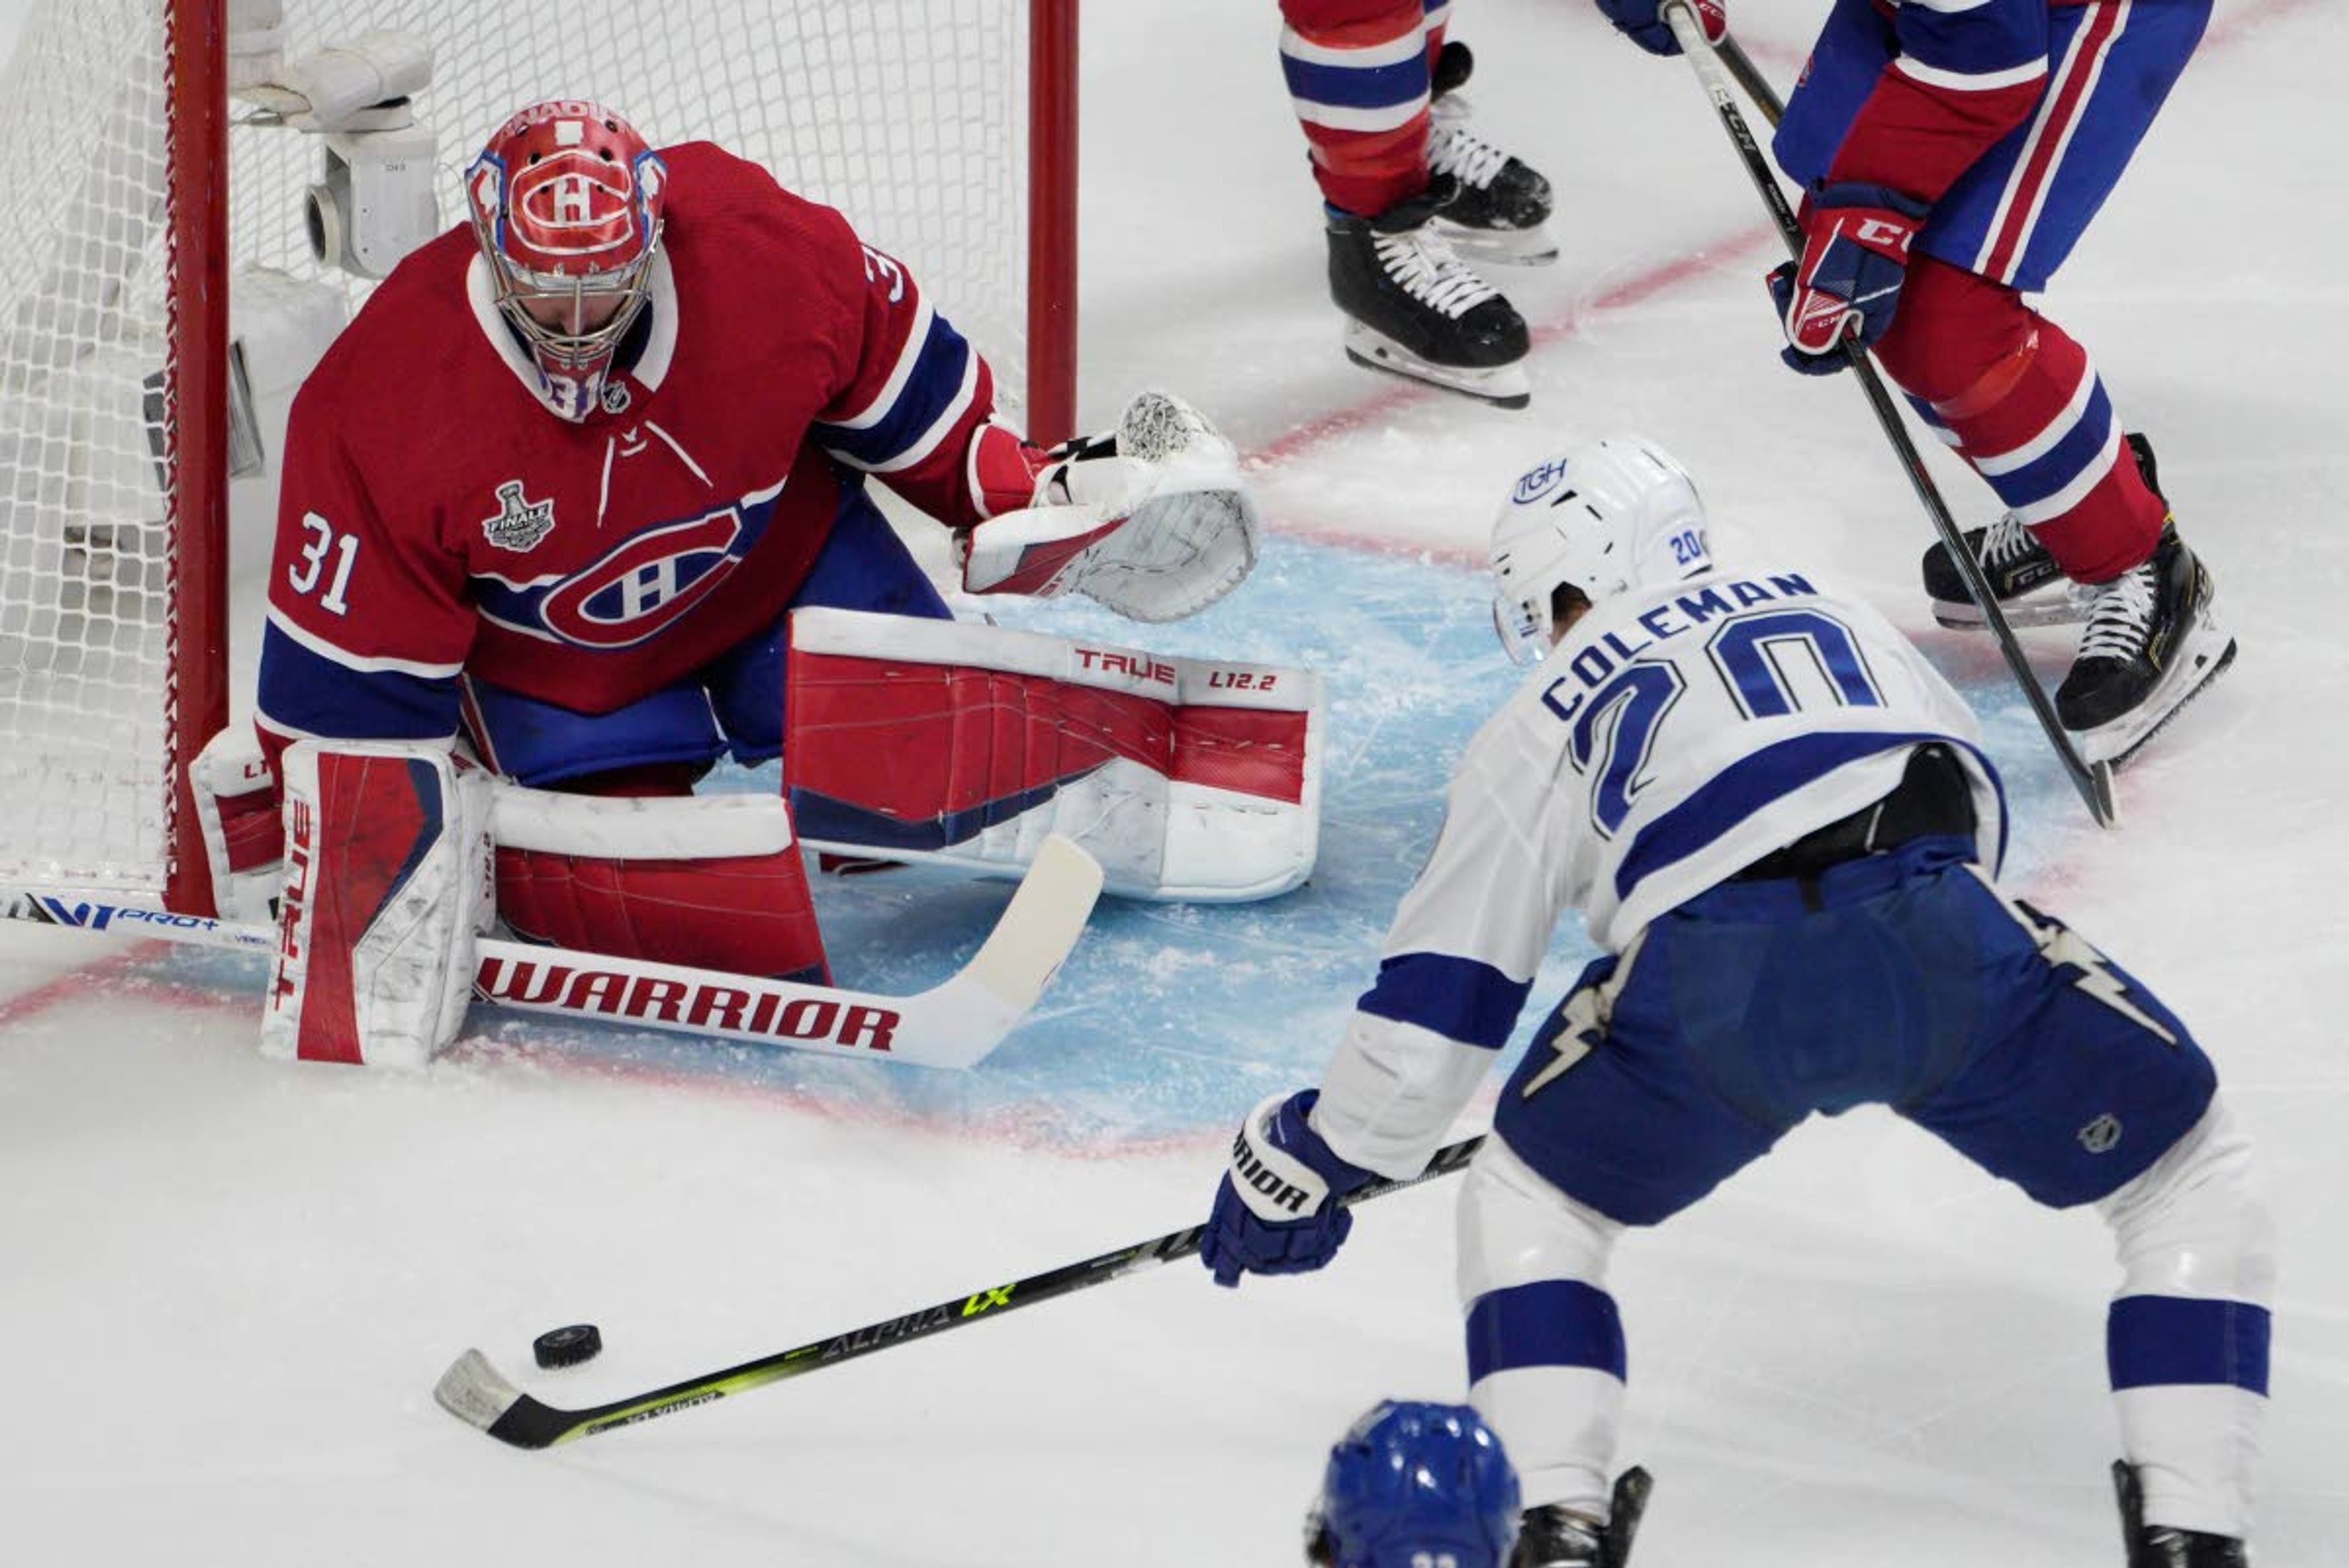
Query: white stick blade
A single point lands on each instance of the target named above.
(474, 1391)
(1042, 924)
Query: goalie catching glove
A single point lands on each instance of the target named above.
(1151, 519)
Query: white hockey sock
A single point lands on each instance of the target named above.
(2186, 1339)
(1545, 1358)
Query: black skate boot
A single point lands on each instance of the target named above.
(2031, 588)
(2161, 1546)
(1414, 307)
(1502, 213)
(2153, 643)
(1554, 1536)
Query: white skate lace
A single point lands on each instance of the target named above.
(1423, 263)
(1453, 149)
(2122, 617)
(2008, 540)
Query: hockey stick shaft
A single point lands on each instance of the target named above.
(954, 1024)
(1758, 90)
(473, 1391)
(2093, 781)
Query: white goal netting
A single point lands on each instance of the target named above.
(909, 115)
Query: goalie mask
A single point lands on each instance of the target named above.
(1606, 519)
(566, 203)
(1413, 1484)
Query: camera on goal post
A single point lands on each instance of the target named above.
(374, 201)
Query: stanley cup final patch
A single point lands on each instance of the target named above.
(520, 525)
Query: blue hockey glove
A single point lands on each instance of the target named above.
(1277, 1211)
(1642, 22)
(1854, 256)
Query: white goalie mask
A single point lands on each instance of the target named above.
(1606, 518)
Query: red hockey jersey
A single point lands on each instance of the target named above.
(436, 515)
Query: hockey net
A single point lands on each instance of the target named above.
(943, 128)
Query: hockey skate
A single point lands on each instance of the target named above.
(1412, 307)
(2161, 1546)
(1501, 215)
(2153, 644)
(1552, 1537)
(2030, 586)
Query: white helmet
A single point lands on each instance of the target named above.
(1607, 518)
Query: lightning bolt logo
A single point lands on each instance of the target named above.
(1581, 1024)
(2063, 948)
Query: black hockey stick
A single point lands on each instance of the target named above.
(2093, 780)
(473, 1391)
(1749, 76)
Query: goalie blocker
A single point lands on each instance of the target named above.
(963, 744)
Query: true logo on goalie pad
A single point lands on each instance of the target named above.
(520, 523)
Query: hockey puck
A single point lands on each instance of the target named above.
(567, 1346)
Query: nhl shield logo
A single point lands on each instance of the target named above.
(520, 525)
(2101, 1135)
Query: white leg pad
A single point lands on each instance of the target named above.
(969, 746)
(387, 882)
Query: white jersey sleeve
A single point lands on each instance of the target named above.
(1676, 737)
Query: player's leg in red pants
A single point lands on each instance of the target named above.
(1357, 73)
(2020, 401)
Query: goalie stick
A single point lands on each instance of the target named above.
(478, 1395)
(2094, 781)
(953, 1024)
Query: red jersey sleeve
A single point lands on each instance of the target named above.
(918, 408)
(369, 622)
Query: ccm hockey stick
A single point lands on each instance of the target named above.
(953, 1024)
(2093, 780)
(475, 1393)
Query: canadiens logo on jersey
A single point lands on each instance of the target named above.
(644, 587)
(520, 523)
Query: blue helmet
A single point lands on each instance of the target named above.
(1415, 1485)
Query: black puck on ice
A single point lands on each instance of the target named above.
(567, 1346)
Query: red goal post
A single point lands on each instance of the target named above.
(146, 209)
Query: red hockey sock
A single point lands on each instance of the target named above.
(1358, 74)
(2023, 405)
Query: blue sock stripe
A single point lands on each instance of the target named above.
(1552, 1323)
(2155, 1341)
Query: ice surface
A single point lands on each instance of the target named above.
(229, 1285)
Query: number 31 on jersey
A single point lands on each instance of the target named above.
(319, 541)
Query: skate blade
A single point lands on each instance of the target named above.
(2058, 602)
(1504, 386)
(1535, 246)
(2207, 659)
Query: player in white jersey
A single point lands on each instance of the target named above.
(1779, 824)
